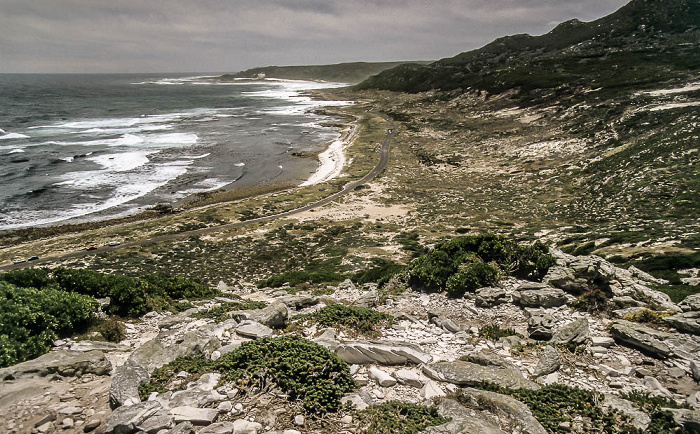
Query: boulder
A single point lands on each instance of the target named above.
(105, 347)
(695, 370)
(515, 411)
(368, 299)
(182, 428)
(360, 399)
(431, 390)
(638, 418)
(688, 419)
(125, 384)
(461, 421)
(565, 278)
(408, 377)
(128, 419)
(161, 420)
(218, 428)
(545, 296)
(691, 303)
(253, 329)
(540, 325)
(463, 373)
(298, 301)
(488, 358)
(274, 315)
(64, 362)
(490, 297)
(382, 378)
(575, 332)
(549, 362)
(384, 353)
(197, 416)
(154, 353)
(641, 337)
(686, 322)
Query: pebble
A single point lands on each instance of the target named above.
(346, 419)
(299, 420)
(67, 423)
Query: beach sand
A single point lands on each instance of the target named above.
(332, 160)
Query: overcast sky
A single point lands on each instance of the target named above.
(231, 35)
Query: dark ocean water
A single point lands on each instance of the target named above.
(77, 147)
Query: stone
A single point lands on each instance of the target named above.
(463, 373)
(47, 418)
(641, 337)
(126, 419)
(543, 297)
(253, 329)
(347, 419)
(71, 409)
(490, 297)
(48, 426)
(461, 421)
(548, 363)
(686, 322)
(105, 347)
(368, 299)
(63, 362)
(91, 425)
(198, 416)
(225, 407)
(218, 428)
(450, 326)
(161, 420)
(488, 358)
(125, 384)
(432, 390)
(408, 377)
(215, 355)
(67, 423)
(154, 353)
(695, 370)
(505, 406)
(298, 301)
(360, 400)
(602, 341)
(690, 304)
(540, 325)
(575, 332)
(274, 315)
(382, 378)
(385, 353)
(299, 420)
(688, 419)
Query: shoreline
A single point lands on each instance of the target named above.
(332, 160)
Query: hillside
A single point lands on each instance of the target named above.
(351, 73)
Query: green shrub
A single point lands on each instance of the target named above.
(381, 273)
(221, 312)
(28, 277)
(176, 287)
(593, 301)
(295, 278)
(495, 332)
(646, 316)
(31, 319)
(395, 417)
(303, 369)
(467, 263)
(112, 330)
(356, 318)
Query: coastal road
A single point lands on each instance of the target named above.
(383, 160)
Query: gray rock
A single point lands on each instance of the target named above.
(161, 420)
(218, 428)
(575, 332)
(125, 384)
(462, 421)
(197, 416)
(549, 362)
(409, 377)
(540, 325)
(515, 411)
(64, 362)
(691, 303)
(490, 297)
(450, 325)
(360, 400)
(253, 329)
(431, 390)
(386, 353)
(541, 297)
(91, 425)
(382, 378)
(464, 373)
(565, 278)
(274, 315)
(695, 370)
(105, 347)
(687, 322)
(638, 418)
(641, 337)
(182, 428)
(653, 384)
(127, 419)
(368, 299)
(298, 301)
(688, 419)
(154, 354)
(488, 358)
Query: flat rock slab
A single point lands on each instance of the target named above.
(197, 416)
(543, 297)
(154, 354)
(253, 329)
(65, 362)
(462, 421)
(128, 419)
(641, 337)
(125, 384)
(575, 332)
(387, 354)
(687, 322)
(464, 373)
(503, 405)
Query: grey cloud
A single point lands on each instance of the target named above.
(229, 35)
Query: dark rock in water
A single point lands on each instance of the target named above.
(641, 337)
(125, 384)
(462, 421)
(504, 406)
(575, 332)
(464, 373)
(65, 362)
(687, 322)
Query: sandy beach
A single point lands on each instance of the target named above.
(332, 160)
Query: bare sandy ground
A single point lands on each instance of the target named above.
(332, 160)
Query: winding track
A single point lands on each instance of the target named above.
(383, 160)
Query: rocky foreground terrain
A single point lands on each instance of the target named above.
(435, 351)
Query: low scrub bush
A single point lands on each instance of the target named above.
(494, 332)
(31, 319)
(221, 312)
(398, 417)
(294, 278)
(303, 369)
(356, 318)
(380, 273)
(112, 330)
(466, 263)
(594, 301)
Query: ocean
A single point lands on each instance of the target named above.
(81, 147)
